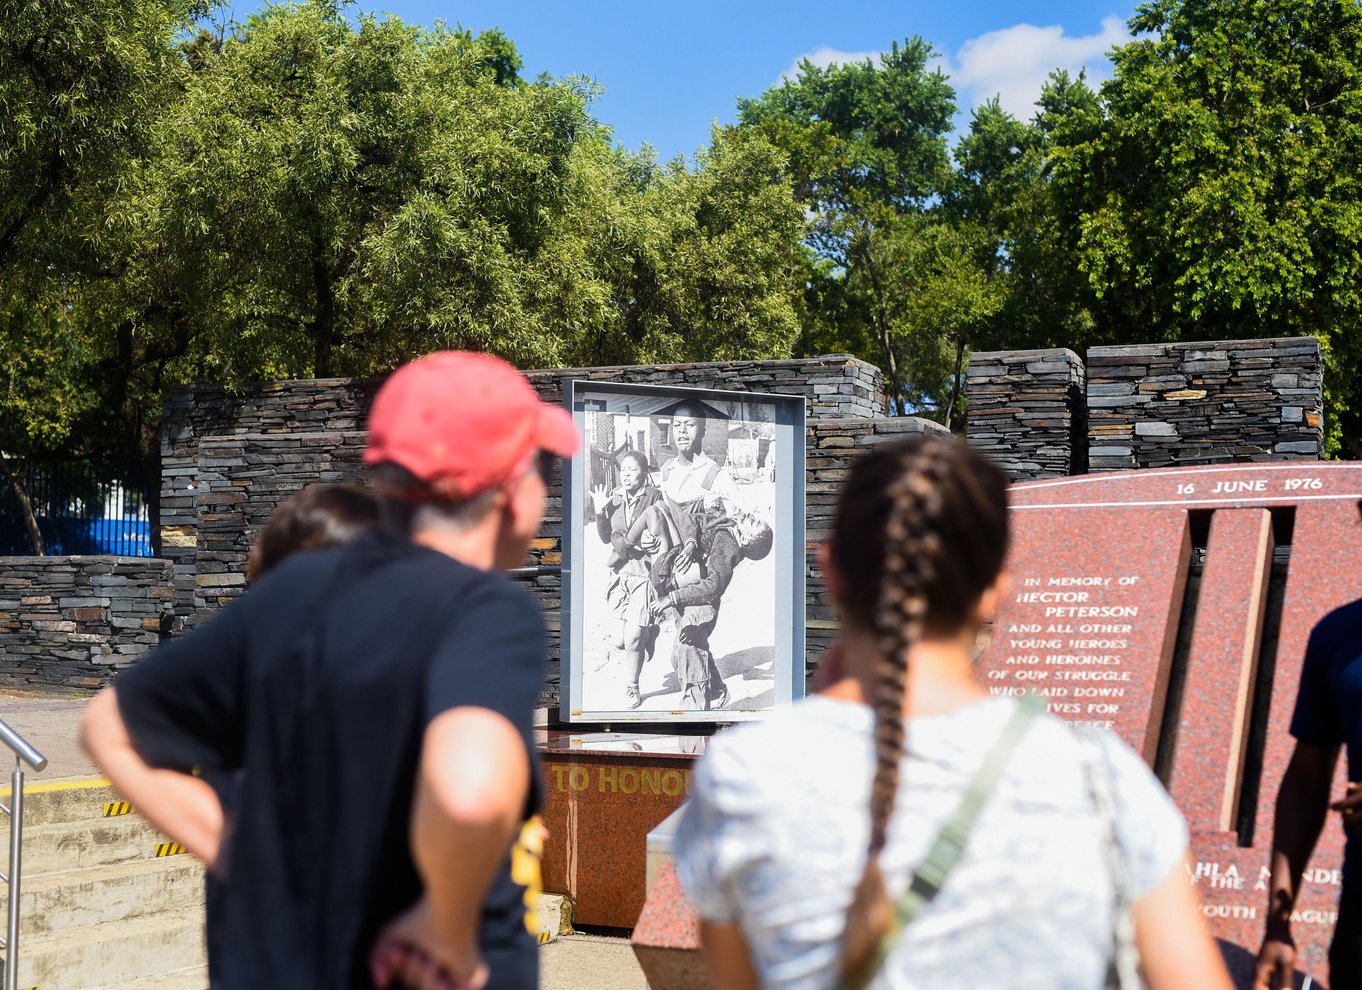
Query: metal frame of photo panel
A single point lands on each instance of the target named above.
(788, 551)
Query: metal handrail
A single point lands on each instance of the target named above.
(21, 746)
(23, 753)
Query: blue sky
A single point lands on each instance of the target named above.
(669, 69)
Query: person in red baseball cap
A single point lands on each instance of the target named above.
(462, 424)
(375, 702)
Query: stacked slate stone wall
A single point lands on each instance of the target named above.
(1026, 411)
(1152, 405)
(835, 385)
(230, 459)
(1159, 405)
(74, 621)
(241, 480)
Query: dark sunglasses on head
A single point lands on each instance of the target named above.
(546, 464)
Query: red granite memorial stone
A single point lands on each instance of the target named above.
(1092, 615)
(1206, 777)
(606, 791)
(667, 935)
(1216, 751)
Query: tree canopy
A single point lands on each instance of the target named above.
(313, 192)
(309, 193)
(1218, 191)
(865, 145)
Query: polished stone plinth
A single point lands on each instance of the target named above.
(606, 791)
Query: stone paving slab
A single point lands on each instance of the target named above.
(52, 726)
(590, 962)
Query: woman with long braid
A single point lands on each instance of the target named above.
(804, 831)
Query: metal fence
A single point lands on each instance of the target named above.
(81, 508)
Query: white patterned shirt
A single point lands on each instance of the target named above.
(775, 834)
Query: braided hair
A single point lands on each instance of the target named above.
(920, 534)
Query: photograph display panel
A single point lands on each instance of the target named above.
(684, 551)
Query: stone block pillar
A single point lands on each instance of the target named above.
(1026, 411)
(1159, 405)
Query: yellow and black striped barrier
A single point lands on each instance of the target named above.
(168, 849)
(115, 808)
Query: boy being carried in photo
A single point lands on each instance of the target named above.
(697, 550)
(683, 541)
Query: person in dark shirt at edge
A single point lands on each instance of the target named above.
(1328, 717)
(378, 701)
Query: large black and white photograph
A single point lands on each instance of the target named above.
(679, 526)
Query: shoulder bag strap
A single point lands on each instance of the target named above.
(1123, 972)
(930, 875)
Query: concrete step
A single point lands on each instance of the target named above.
(170, 888)
(60, 846)
(114, 953)
(191, 978)
(554, 916)
(63, 801)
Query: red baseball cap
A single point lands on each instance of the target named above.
(463, 422)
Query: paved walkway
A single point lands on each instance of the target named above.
(52, 726)
(589, 962)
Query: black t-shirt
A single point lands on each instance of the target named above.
(1329, 704)
(318, 686)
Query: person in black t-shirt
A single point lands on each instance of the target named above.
(1327, 719)
(318, 516)
(378, 701)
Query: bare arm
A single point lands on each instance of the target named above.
(182, 806)
(1176, 949)
(724, 950)
(475, 775)
(1302, 805)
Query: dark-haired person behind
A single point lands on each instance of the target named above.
(803, 830)
(323, 515)
(694, 567)
(616, 512)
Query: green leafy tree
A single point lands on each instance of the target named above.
(80, 85)
(307, 193)
(370, 192)
(866, 144)
(1221, 195)
(715, 261)
(1003, 190)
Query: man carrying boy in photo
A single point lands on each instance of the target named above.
(693, 570)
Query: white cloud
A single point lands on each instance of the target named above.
(1013, 63)
(823, 56)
